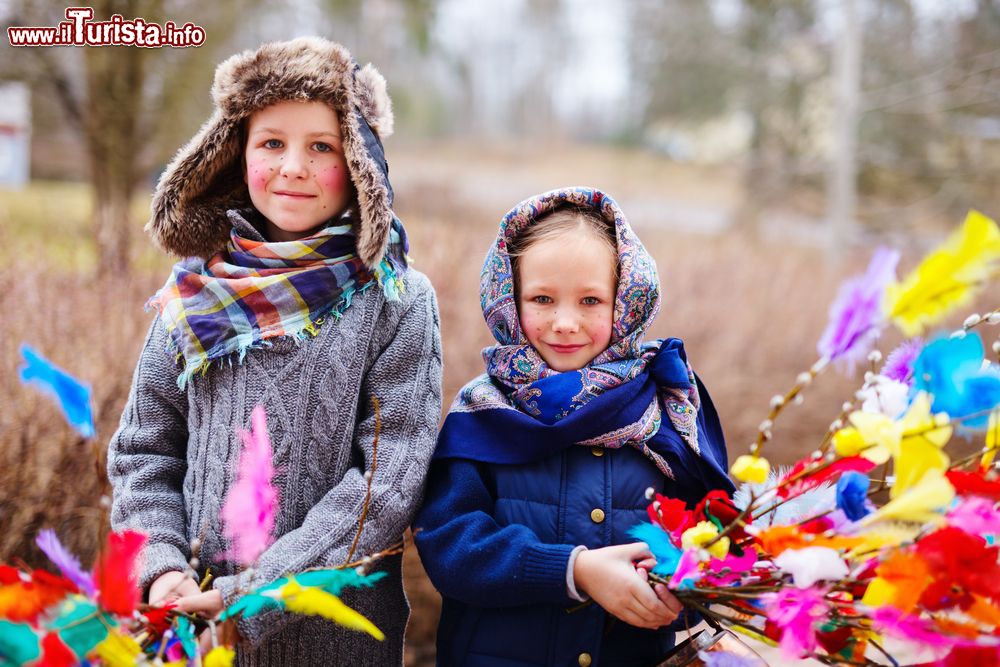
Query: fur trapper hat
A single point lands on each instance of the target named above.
(205, 178)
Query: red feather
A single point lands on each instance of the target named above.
(55, 653)
(116, 575)
(158, 618)
(25, 597)
(805, 482)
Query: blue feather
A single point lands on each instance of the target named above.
(72, 396)
(666, 554)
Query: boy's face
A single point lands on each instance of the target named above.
(295, 168)
(566, 298)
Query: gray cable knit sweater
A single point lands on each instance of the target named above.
(174, 457)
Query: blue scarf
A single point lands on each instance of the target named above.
(521, 410)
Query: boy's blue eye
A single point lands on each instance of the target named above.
(591, 301)
(542, 299)
(272, 143)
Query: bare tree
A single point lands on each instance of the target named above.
(693, 62)
(122, 100)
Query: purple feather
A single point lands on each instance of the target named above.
(856, 313)
(48, 542)
(899, 363)
(727, 659)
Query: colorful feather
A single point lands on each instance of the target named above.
(81, 625)
(946, 278)
(18, 643)
(856, 314)
(55, 653)
(49, 543)
(921, 503)
(956, 373)
(893, 622)
(330, 580)
(220, 656)
(899, 363)
(334, 581)
(804, 481)
(185, 634)
(249, 511)
(797, 611)
(26, 596)
(118, 650)
(250, 605)
(666, 554)
(116, 575)
(72, 396)
(317, 602)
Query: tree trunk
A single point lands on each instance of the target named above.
(115, 77)
(112, 224)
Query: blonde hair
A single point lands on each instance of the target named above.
(562, 221)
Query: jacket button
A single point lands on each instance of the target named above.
(597, 516)
(584, 660)
(597, 451)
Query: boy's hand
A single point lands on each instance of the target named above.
(610, 577)
(170, 586)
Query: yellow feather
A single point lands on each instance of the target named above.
(883, 535)
(946, 278)
(118, 650)
(921, 503)
(992, 440)
(220, 656)
(317, 602)
(879, 593)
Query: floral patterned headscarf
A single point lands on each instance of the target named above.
(517, 378)
(514, 361)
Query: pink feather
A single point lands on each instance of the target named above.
(893, 622)
(249, 511)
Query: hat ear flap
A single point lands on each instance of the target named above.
(373, 100)
(196, 189)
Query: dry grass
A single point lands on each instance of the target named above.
(750, 314)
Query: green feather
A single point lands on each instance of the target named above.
(81, 636)
(18, 643)
(332, 581)
(249, 605)
(185, 634)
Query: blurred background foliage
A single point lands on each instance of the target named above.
(760, 147)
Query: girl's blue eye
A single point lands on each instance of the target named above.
(272, 143)
(322, 148)
(591, 301)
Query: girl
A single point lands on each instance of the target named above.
(304, 305)
(543, 462)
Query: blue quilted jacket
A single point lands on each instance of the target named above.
(495, 540)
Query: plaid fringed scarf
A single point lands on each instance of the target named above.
(255, 290)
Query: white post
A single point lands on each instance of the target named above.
(15, 135)
(842, 194)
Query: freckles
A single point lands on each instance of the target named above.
(332, 178)
(257, 176)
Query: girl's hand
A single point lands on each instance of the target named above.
(208, 604)
(170, 586)
(610, 577)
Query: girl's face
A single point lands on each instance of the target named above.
(295, 168)
(566, 298)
